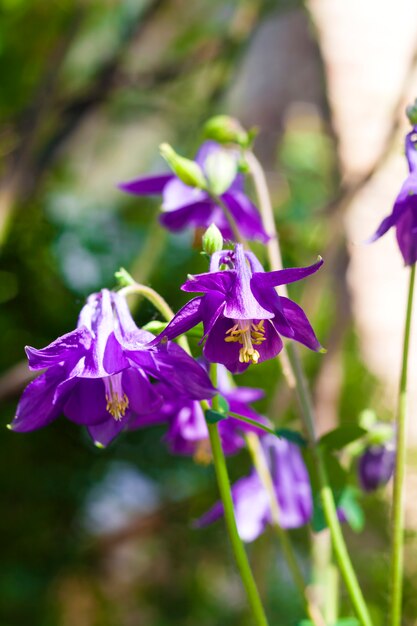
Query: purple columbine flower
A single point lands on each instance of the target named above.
(251, 501)
(184, 206)
(187, 432)
(99, 374)
(242, 314)
(404, 212)
(376, 466)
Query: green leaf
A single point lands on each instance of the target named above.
(212, 417)
(155, 327)
(291, 435)
(352, 509)
(346, 621)
(197, 331)
(340, 437)
(223, 405)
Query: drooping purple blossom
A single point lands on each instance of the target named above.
(184, 206)
(99, 374)
(187, 429)
(376, 466)
(242, 314)
(252, 502)
(404, 213)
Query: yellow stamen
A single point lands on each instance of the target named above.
(117, 401)
(117, 405)
(248, 334)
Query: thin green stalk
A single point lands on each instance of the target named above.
(397, 548)
(229, 514)
(307, 413)
(252, 422)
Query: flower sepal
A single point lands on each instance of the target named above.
(188, 171)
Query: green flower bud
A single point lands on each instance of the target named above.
(225, 129)
(381, 434)
(221, 170)
(411, 112)
(212, 240)
(187, 171)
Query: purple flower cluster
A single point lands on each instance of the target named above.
(184, 206)
(404, 213)
(252, 502)
(243, 316)
(100, 374)
(110, 376)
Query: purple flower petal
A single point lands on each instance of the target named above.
(407, 235)
(291, 480)
(97, 315)
(73, 345)
(102, 434)
(251, 508)
(406, 199)
(300, 326)
(36, 407)
(143, 396)
(182, 372)
(246, 215)
(87, 402)
(198, 214)
(240, 302)
(178, 195)
(146, 185)
(213, 281)
(264, 280)
(217, 350)
(186, 318)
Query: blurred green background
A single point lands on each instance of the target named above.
(89, 90)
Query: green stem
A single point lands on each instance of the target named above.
(219, 465)
(326, 495)
(397, 548)
(229, 514)
(307, 413)
(159, 303)
(252, 422)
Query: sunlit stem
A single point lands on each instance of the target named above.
(229, 514)
(307, 412)
(158, 302)
(397, 548)
(261, 466)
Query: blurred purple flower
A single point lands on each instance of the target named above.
(242, 314)
(376, 466)
(251, 501)
(184, 206)
(98, 375)
(187, 433)
(404, 212)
